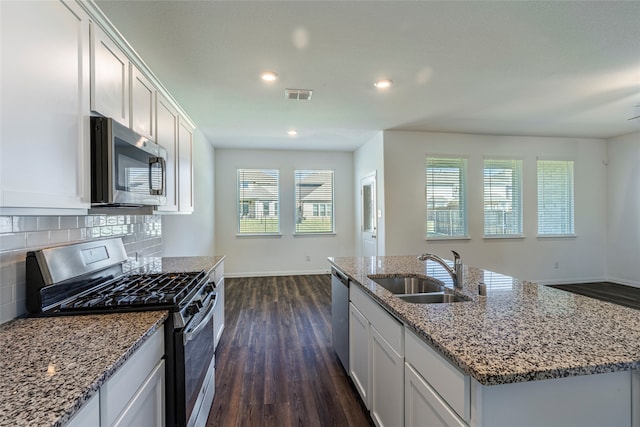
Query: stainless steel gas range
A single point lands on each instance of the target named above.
(88, 278)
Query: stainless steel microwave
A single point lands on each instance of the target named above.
(126, 169)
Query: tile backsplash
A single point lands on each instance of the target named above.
(141, 235)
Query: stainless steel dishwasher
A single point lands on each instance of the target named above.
(340, 316)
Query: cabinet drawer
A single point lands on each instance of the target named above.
(447, 380)
(390, 329)
(116, 393)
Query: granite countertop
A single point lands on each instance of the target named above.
(521, 331)
(180, 264)
(51, 366)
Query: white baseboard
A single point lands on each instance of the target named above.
(276, 273)
(572, 281)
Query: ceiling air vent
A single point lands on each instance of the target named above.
(298, 94)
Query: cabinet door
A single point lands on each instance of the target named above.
(146, 408)
(143, 104)
(44, 155)
(423, 406)
(109, 77)
(185, 167)
(359, 353)
(387, 383)
(89, 415)
(167, 137)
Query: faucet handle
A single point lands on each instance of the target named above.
(456, 258)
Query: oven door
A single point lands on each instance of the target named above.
(195, 367)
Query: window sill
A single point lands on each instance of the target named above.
(556, 236)
(253, 235)
(314, 234)
(433, 238)
(506, 236)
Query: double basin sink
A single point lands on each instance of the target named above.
(418, 290)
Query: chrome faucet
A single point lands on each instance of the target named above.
(455, 272)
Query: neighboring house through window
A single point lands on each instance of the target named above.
(314, 201)
(258, 200)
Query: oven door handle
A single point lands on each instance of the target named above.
(188, 336)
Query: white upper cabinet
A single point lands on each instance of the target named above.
(185, 166)
(44, 154)
(143, 104)
(167, 137)
(109, 77)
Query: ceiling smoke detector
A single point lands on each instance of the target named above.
(298, 94)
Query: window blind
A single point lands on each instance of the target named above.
(502, 197)
(445, 188)
(314, 201)
(258, 201)
(555, 198)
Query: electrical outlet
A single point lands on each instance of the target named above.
(556, 265)
(308, 258)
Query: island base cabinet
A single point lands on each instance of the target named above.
(386, 383)
(423, 406)
(359, 353)
(376, 359)
(583, 401)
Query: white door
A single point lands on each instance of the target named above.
(369, 229)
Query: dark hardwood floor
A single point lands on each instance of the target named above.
(275, 364)
(628, 296)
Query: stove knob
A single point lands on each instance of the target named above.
(209, 288)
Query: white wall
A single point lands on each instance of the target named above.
(194, 234)
(285, 254)
(623, 182)
(368, 159)
(582, 258)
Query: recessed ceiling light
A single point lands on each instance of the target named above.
(269, 76)
(292, 132)
(383, 84)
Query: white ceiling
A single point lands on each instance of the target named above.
(508, 68)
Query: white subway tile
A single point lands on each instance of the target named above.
(25, 223)
(37, 239)
(12, 241)
(48, 223)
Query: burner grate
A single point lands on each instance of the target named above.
(138, 290)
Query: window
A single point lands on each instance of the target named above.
(555, 198)
(258, 196)
(502, 198)
(314, 201)
(446, 197)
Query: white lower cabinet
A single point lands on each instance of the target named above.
(359, 353)
(423, 406)
(376, 359)
(89, 415)
(386, 382)
(147, 406)
(134, 395)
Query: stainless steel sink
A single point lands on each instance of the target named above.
(409, 285)
(431, 298)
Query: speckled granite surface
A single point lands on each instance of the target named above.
(178, 264)
(520, 331)
(50, 366)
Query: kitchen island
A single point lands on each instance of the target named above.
(525, 348)
(51, 368)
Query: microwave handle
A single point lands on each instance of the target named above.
(153, 161)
